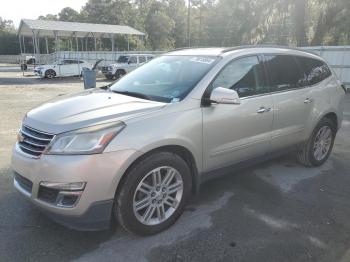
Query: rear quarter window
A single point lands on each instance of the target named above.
(284, 72)
(315, 70)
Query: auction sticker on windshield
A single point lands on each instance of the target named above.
(204, 60)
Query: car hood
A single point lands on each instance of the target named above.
(86, 109)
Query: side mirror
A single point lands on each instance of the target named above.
(222, 95)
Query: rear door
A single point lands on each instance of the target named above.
(233, 133)
(291, 98)
(66, 68)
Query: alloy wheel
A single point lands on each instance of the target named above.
(158, 195)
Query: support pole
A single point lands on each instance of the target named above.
(47, 45)
(56, 41)
(24, 45)
(128, 43)
(77, 42)
(38, 44)
(33, 44)
(20, 44)
(112, 41)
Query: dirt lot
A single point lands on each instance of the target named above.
(277, 211)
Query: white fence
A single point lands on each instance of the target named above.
(91, 57)
(337, 56)
(9, 59)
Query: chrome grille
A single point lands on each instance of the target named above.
(104, 69)
(33, 142)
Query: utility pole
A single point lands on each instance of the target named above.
(200, 20)
(189, 23)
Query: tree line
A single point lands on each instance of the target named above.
(172, 24)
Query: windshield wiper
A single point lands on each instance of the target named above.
(134, 94)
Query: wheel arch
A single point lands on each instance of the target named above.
(181, 151)
(120, 70)
(333, 117)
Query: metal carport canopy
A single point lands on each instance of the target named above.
(47, 28)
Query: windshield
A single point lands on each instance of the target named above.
(166, 78)
(123, 59)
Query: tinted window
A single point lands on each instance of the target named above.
(133, 60)
(284, 72)
(81, 62)
(315, 71)
(69, 62)
(142, 59)
(123, 59)
(243, 75)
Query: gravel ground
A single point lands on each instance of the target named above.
(276, 211)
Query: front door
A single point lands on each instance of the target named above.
(233, 133)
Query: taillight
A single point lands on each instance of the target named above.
(344, 88)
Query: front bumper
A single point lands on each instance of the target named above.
(101, 172)
(38, 73)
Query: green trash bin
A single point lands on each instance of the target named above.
(89, 77)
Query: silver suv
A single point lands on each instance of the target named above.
(135, 150)
(124, 65)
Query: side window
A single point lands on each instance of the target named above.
(133, 60)
(149, 58)
(284, 72)
(243, 75)
(315, 70)
(142, 59)
(66, 62)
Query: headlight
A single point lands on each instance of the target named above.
(90, 140)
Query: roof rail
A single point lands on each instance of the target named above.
(192, 47)
(229, 49)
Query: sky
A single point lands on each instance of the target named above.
(15, 10)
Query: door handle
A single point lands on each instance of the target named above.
(308, 100)
(263, 110)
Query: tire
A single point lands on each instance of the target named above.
(120, 73)
(50, 74)
(130, 193)
(109, 77)
(308, 155)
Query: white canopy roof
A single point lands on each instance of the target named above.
(47, 28)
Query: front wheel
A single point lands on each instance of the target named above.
(120, 73)
(319, 146)
(50, 74)
(154, 193)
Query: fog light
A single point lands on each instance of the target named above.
(76, 186)
(68, 199)
(61, 194)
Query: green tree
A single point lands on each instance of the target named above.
(69, 14)
(159, 27)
